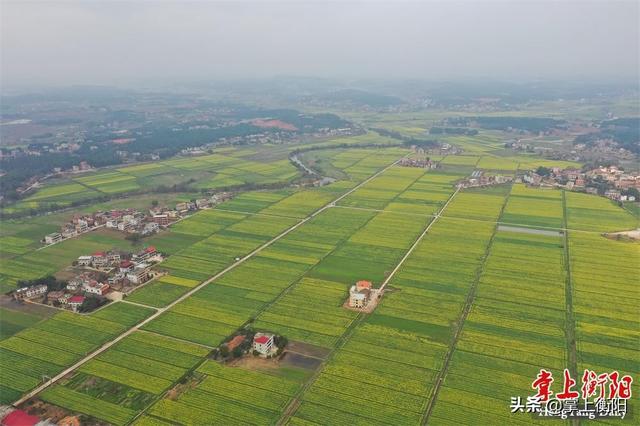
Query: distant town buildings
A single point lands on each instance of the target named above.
(611, 181)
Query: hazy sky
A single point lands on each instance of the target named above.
(143, 42)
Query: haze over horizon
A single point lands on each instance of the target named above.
(144, 43)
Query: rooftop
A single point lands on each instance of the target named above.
(19, 418)
(262, 339)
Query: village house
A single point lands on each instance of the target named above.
(69, 232)
(263, 344)
(113, 258)
(29, 292)
(145, 254)
(126, 266)
(82, 226)
(54, 296)
(94, 287)
(161, 219)
(64, 298)
(85, 260)
(612, 194)
(360, 294)
(140, 274)
(74, 284)
(202, 203)
(53, 238)
(75, 302)
(99, 259)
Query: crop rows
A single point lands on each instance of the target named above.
(385, 371)
(134, 370)
(516, 326)
(604, 277)
(227, 395)
(48, 347)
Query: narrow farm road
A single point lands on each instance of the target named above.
(463, 317)
(293, 405)
(159, 312)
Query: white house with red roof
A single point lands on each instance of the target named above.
(75, 302)
(360, 294)
(263, 344)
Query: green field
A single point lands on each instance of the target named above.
(503, 281)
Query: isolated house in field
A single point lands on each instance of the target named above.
(360, 294)
(263, 344)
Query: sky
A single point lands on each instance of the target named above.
(128, 43)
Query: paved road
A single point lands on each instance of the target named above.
(159, 311)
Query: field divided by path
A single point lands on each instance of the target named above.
(47, 348)
(385, 371)
(309, 306)
(15, 346)
(606, 300)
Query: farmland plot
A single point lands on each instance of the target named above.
(590, 213)
(221, 307)
(378, 192)
(605, 283)
(516, 326)
(406, 336)
(228, 395)
(49, 346)
(534, 207)
(427, 194)
(134, 371)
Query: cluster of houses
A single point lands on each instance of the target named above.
(479, 178)
(423, 163)
(132, 221)
(72, 297)
(122, 268)
(100, 274)
(616, 181)
(127, 220)
(442, 148)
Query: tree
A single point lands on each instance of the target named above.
(154, 203)
(91, 303)
(134, 238)
(543, 171)
(237, 352)
(224, 351)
